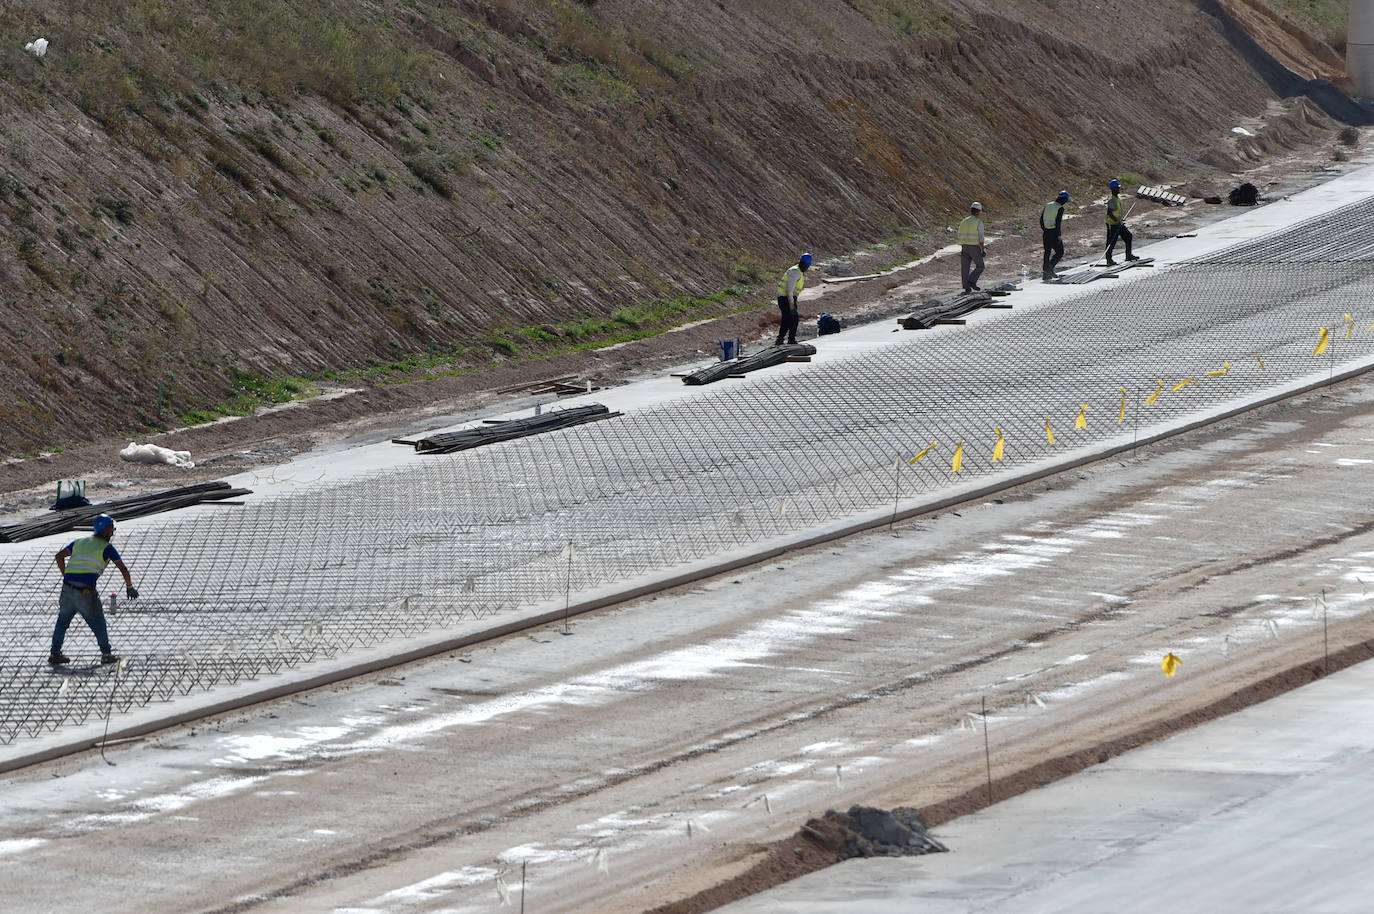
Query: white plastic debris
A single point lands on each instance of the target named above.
(151, 453)
(38, 47)
(1242, 131)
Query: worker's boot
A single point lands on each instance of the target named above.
(1110, 262)
(109, 658)
(1132, 257)
(57, 658)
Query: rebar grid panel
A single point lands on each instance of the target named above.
(451, 540)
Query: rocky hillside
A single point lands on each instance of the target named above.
(206, 201)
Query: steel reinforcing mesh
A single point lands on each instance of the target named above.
(450, 541)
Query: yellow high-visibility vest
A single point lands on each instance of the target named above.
(88, 556)
(971, 230)
(1050, 215)
(792, 282)
(1114, 216)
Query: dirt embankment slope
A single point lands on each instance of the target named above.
(193, 202)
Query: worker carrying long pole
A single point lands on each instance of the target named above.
(1116, 223)
(81, 563)
(789, 288)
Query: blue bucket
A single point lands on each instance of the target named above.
(729, 349)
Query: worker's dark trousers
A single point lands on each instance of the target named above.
(970, 264)
(1054, 251)
(1113, 233)
(791, 317)
(86, 601)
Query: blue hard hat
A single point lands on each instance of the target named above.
(806, 259)
(101, 523)
(1064, 196)
(1114, 184)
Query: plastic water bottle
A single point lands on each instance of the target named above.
(1025, 273)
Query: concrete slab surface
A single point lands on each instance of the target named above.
(1270, 809)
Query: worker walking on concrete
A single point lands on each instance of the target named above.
(81, 563)
(1051, 226)
(972, 244)
(1116, 223)
(789, 288)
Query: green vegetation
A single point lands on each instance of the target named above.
(433, 171)
(256, 390)
(121, 210)
(252, 391)
(501, 344)
(634, 323)
(1326, 19)
(199, 416)
(141, 57)
(545, 340)
(914, 18)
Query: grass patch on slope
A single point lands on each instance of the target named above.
(123, 56)
(1325, 19)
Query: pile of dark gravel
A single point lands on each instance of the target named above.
(868, 832)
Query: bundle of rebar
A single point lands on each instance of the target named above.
(769, 357)
(944, 308)
(450, 442)
(1088, 272)
(120, 509)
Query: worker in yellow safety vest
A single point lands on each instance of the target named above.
(972, 244)
(81, 563)
(1051, 226)
(1116, 223)
(789, 287)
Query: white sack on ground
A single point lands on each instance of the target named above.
(151, 453)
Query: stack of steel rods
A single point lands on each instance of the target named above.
(120, 509)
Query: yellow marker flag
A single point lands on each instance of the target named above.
(1149, 401)
(1121, 416)
(958, 463)
(1225, 367)
(1349, 325)
(1082, 420)
(1370, 327)
(1170, 664)
(1184, 383)
(1049, 432)
(922, 456)
(1260, 360)
(1323, 341)
(999, 449)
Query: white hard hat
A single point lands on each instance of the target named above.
(976, 205)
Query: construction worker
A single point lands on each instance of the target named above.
(81, 563)
(789, 287)
(1051, 224)
(1116, 223)
(971, 247)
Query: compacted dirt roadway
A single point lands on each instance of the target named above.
(648, 752)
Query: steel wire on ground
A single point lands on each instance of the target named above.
(453, 540)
